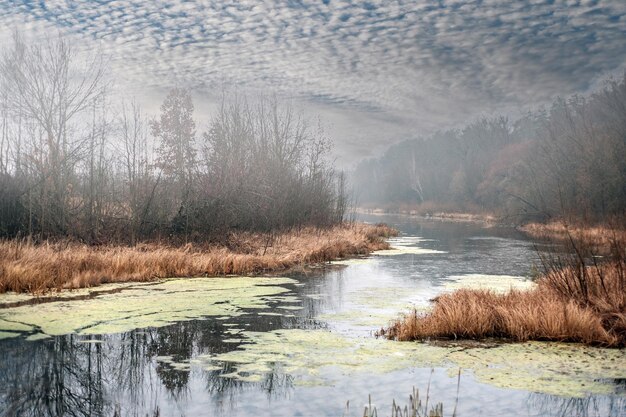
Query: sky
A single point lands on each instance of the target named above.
(375, 73)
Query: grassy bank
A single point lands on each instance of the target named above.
(431, 212)
(599, 236)
(579, 299)
(37, 268)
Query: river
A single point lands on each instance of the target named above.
(300, 345)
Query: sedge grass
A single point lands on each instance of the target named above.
(36, 268)
(580, 298)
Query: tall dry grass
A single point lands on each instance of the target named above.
(580, 298)
(36, 268)
(599, 236)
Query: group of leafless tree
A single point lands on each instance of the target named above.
(567, 160)
(75, 163)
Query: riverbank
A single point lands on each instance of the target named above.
(37, 268)
(580, 299)
(431, 214)
(599, 236)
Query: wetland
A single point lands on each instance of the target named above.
(300, 344)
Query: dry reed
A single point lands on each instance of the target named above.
(36, 268)
(579, 299)
(415, 407)
(599, 236)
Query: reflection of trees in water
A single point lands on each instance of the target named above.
(329, 282)
(118, 374)
(52, 378)
(225, 391)
(591, 406)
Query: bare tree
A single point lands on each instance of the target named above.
(135, 156)
(46, 83)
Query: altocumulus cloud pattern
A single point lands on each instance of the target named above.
(382, 70)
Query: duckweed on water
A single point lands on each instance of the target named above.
(406, 250)
(146, 306)
(407, 246)
(15, 326)
(359, 318)
(7, 335)
(37, 336)
(10, 298)
(310, 355)
(552, 368)
(496, 283)
(306, 354)
(407, 240)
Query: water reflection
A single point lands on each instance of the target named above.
(159, 371)
(593, 406)
(104, 375)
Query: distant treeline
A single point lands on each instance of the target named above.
(568, 160)
(75, 163)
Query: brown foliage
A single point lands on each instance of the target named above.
(34, 268)
(578, 300)
(600, 236)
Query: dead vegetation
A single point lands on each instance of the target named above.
(599, 236)
(415, 407)
(581, 297)
(36, 268)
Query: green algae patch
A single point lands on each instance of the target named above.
(307, 355)
(407, 240)
(8, 335)
(13, 297)
(148, 306)
(317, 357)
(15, 326)
(37, 336)
(10, 298)
(359, 318)
(406, 250)
(553, 368)
(496, 283)
(407, 245)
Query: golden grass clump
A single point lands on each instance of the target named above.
(599, 236)
(36, 268)
(519, 315)
(579, 299)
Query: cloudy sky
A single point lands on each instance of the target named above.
(375, 72)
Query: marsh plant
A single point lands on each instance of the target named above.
(29, 267)
(414, 408)
(580, 297)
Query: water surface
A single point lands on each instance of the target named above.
(300, 345)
